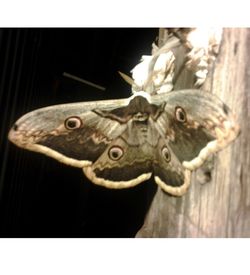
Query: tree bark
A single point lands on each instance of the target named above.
(221, 206)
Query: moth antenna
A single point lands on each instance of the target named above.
(84, 81)
(127, 78)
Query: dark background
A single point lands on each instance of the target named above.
(40, 197)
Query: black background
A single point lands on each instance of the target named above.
(40, 197)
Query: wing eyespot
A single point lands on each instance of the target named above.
(72, 123)
(115, 153)
(180, 114)
(166, 154)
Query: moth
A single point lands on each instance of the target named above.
(121, 143)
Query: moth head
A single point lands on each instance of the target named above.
(72, 123)
(180, 114)
(115, 153)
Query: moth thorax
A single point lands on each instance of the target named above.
(140, 116)
(140, 120)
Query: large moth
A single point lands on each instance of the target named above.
(121, 143)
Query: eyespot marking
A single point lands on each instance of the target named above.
(166, 154)
(72, 123)
(180, 114)
(115, 153)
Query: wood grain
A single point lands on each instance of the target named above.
(218, 201)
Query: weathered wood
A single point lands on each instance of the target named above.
(221, 206)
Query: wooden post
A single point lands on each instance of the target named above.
(220, 207)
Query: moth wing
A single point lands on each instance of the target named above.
(196, 124)
(121, 165)
(44, 131)
(169, 172)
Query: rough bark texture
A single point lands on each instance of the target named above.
(219, 207)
